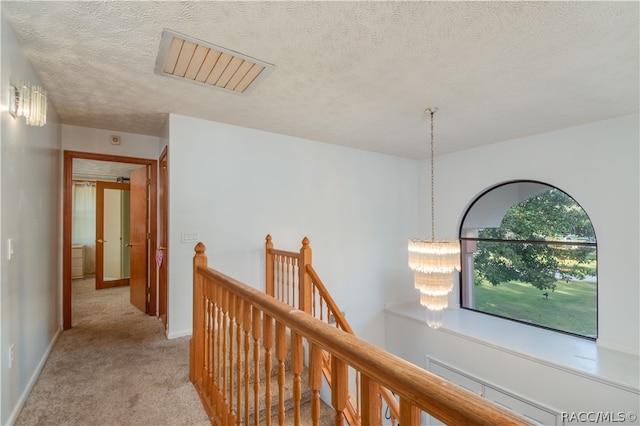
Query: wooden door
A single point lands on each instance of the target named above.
(112, 214)
(139, 240)
(162, 247)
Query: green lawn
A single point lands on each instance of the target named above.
(572, 307)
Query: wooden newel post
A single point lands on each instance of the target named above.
(268, 289)
(196, 344)
(303, 279)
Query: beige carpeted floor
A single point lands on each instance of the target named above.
(114, 367)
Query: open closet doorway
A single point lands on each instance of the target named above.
(141, 241)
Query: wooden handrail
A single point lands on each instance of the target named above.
(316, 284)
(417, 389)
(288, 280)
(332, 306)
(351, 411)
(342, 323)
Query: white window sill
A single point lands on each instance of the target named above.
(561, 351)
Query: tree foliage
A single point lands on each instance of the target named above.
(524, 247)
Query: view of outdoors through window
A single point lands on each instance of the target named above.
(538, 266)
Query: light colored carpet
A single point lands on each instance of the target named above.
(114, 367)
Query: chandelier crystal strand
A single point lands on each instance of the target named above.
(433, 284)
(434, 318)
(434, 303)
(434, 261)
(434, 256)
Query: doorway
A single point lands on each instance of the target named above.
(150, 287)
(112, 235)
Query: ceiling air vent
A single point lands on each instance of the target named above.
(194, 60)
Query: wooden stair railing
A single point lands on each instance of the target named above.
(341, 323)
(236, 329)
(290, 277)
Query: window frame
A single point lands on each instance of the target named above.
(465, 295)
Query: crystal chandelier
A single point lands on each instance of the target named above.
(433, 261)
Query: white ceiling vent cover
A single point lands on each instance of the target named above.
(186, 58)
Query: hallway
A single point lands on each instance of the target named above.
(115, 367)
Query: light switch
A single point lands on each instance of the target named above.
(189, 237)
(10, 248)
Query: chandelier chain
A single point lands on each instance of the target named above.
(433, 220)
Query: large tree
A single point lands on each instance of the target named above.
(533, 245)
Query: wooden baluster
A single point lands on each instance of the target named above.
(232, 318)
(295, 289)
(219, 332)
(197, 341)
(409, 413)
(269, 263)
(267, 342)
(295, 275)
(257, 333)
(358, 396)
(315, 381)
(209, 344)
(206, 382)
(239, 319)
(288, 280)
(339, 388)
(215, 343)
(275, 276)
(281, 353)
(371, 406)
(225, 350)
(247, 365)
(281, 279)
(293, 300)
(276, 266)
(296, 367)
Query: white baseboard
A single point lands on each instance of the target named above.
(176, 334)
(32, 381)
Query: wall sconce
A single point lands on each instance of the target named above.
(30, 102)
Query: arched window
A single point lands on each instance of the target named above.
(529, 254)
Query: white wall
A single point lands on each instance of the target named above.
(598, 165)
(87, 139)
(233, 186)
(30, 201)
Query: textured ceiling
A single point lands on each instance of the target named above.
(351, 73)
